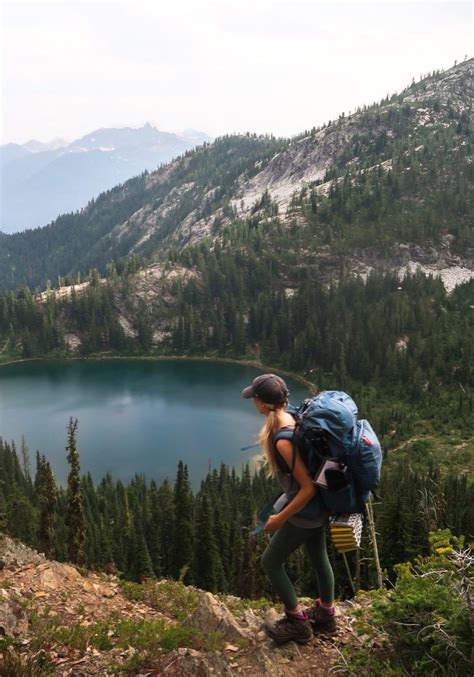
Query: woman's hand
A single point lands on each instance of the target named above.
(273, 523)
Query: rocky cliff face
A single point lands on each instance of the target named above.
(438, 261)
(71, 622)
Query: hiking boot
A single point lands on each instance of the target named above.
(321, 621)
(289, 629)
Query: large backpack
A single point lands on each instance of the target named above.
(327, 428)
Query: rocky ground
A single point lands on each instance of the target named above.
(58, 620)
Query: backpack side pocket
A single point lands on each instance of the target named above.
(343, 499)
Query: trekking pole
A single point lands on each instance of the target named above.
(357, 573)
(349, 572)
(249, 446)
(373, 538)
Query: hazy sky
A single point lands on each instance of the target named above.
(277, 66)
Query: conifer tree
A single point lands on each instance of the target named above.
(47, 500)
(121, 529)
(166, 528)
(250, 577)
(21, 516)
(25, 458)
(142, 566)
(75, 520)
(3, 488)
(183, 507)
(3, 512)
(207, 563)
(152, 530)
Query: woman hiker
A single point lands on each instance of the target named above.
(300, 522)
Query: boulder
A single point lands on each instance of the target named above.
(211, 615)
(51, 575)
(252, 621)
(99, 589)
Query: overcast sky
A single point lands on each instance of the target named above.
(278, 66)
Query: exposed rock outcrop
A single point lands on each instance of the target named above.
(75, 622)
(212, 616)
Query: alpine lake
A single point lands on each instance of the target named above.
(134, 416)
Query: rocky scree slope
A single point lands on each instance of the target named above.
(71, 622)
(422, 132)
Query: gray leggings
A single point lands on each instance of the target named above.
(285, 541)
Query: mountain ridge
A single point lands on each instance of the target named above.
(368, 156)
(40, 181)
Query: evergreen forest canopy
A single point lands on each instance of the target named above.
(142, 529)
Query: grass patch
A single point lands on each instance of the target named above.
(172, 598)
(148, 638)
(13, 663)
(114, 632)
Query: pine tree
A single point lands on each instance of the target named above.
(121, 527)
(46, 493)
(75, 519)
(3, 513)
(141, 566)
(21, 516)
(152, 529)
(166, 528)
(184, 533)
(207, 563)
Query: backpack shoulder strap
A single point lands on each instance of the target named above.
(285, 434)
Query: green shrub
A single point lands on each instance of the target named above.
(426, 616)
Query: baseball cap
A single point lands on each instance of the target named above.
(269, 388)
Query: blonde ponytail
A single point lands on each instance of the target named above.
(265, 438)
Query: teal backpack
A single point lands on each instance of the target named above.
(342, 453)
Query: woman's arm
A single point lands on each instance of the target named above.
(306, 491)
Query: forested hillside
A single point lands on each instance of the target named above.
(142, 529)
(404, 346)
(395, 173)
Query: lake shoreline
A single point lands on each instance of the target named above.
(138, 415)
(169, 358)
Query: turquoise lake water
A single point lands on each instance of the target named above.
(135, 416)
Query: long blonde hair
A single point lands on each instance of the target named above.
(265, 438)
